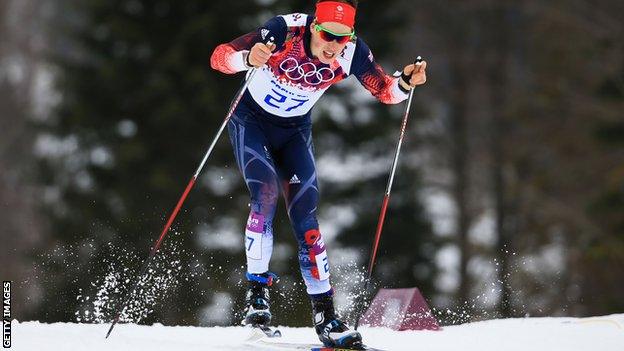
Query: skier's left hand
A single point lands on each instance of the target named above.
(417, 73)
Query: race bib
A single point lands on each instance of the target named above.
(286, 100)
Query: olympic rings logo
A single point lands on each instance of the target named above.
(307, 71)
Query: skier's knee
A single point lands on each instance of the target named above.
(303, 223)
(264, 198)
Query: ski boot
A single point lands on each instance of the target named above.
(257, 303)
(331, 331)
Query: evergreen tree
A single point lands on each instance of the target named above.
(139, 105)
(602, 288)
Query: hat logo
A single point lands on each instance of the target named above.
(339, 14)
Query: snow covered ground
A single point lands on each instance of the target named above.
(529, 334)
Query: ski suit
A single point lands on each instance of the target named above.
(270, 131)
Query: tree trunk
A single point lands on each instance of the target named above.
(497, 72)
(459, 156)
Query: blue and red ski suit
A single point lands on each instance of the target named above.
(270, 131)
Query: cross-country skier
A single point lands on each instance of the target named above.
(270, 131)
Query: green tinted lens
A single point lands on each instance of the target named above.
(318, 27)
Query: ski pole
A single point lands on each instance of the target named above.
(189, 186)
(386, 199)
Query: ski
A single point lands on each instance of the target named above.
(260, 331)
(307, 347)
(268, 331)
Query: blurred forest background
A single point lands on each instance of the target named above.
(508, 201)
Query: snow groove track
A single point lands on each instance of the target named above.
(535, 334)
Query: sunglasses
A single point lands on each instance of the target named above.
(328, 36)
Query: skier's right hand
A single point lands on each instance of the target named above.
(259, 54)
